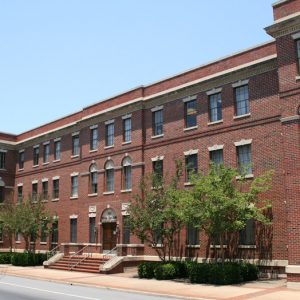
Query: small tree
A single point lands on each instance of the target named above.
(156, 215)
(222, 204)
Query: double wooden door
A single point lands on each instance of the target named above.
(109, 235)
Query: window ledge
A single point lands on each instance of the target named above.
(43, 243)
(188, 184)
(157, 246)
(55, 200)
(46, 163)
(108, 147)
(247, 176)
(56, 160)
(193, 246)
(297, 78)
(75, 156)
(74, 197)
(44, 200)
(18, 242)
(21, 169)
(215, 122)
(94, 150)
(3, 169)
(35, 166)
(247, 246)
(157, 136)
(190, 128)
(126, 191)
(108, 193)
(126, 143)
(242, 116)
(217, 246)
(92, 195)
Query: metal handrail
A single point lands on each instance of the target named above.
(107, 255)
(52, 252)
(71, 266)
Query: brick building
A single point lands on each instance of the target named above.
(240, 109)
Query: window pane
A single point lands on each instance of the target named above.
(46, 153)
(192, 235)
(127, 177)
(55, 189)
(74, 189)
(54, 233)
(190, 114)
(75, 145)
(94, 182)
(2, 160)
(34, 191)
(242, 100)
(110, 180)
(244, 159)
(21, 160)
(36, 154)
(191, 166)
(126, 231)
(45, 190)
(158, 122)
(127, 130)
(94, 139)
(109, 134)
(92, 230)
(73, 233)
(217, 157)
(20, 194)
(215, 107)
(57, 146)
(247, 235)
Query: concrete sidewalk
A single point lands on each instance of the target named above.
(266, 290)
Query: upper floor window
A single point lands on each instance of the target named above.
(157, 122)
(2, 159)
(36, 155)
(75, 145)
(244, 159)
(45, 190)
(74, 186)
(158, 170)
(94, 138)
(2, 195)
(298, 54)
(190, 114)
(57, 150)
(34, 193)
(191, 166)
(242, 100)
(215, 107)
(93, 179)
(20, 193)
(46, 153)
(127, 130)
(21, 159)
(109, 176)
(127, 176)
(55, 191)
(109, 134)
(216, 156)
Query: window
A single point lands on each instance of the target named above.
(244, 159)
(127, 178)
(46, 153)
(215, 107)
(92, 230)
(74, 186)
(158, 171)
(298, 54)
(2, 194)
(109, 134)
(93, 179)
(127, 130)
(73, 231)
(45, 190)
(242, 100)
(191, 166)
(54, 232)
(190, 113)
(192, 235)
(126, 230)
(158, 235)
(57, 147)
(36, 155)
(216, 157)
(20, 194)
(2, 159)
(157, 122)
(18, 237)
(21, 159)
(247, 235)
(55, 194)
(109, 176)
(94, 138)
(75, 145)
(1, 231)
(34, 191)
(44, 232)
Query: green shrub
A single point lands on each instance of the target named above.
(249, 272)
(199, 273)
(146, 269)
(165, 271)
(5, 258)
(28, 259)
(181, 268)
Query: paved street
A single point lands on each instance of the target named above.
(17, 288)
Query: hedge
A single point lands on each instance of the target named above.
(213, 273)
(28, 259)
(5, 258)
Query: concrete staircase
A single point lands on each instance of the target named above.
(80, 263)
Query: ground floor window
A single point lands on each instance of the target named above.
(247, 235)
(192, 235)
(126, 231)
(92, 230)
(54, 232)
(73, 230)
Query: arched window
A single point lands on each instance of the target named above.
(109, 176)
(126, 173)
(93, 179)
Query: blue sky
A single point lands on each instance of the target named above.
(58, 56)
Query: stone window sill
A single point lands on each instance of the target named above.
(57, 160)
(108, 193)
(126, 143)
(21, 169)
(43, 243)
(93, 195)
(35, 166)
(190, 128)
(94, 150)
(126, 191)
(75, 156)
(242, 116)
(55, 200)
(193, 246)
(108, 147)
(247, 176)
(46, 163)
(247, 246)
(73, 197)
(157, 136)
(188, 184)
(297, 78)
(18, 242)
(215, 122)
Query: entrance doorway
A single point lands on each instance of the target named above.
(109, 236)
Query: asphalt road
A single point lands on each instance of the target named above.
(17, 288)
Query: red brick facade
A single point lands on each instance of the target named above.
(271, 126)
